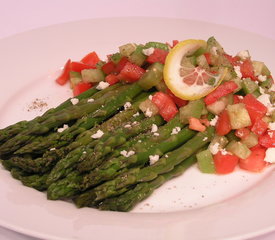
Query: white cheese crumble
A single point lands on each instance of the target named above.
(102, 85)
(136, 114)
(150, 97)
(237, 70)
(65, 126)
(153, 159)
(175, 130)
(272, 89)
(224, 152)
(270, 134)
(261, 90)
(166, 155)
(52, 149)
(214, 50)
(154, 128)
(269, 155)
(262, 78)
(243, 54)
(98, 134)
(156, 134)
(214, 121)
(127, 154)
(127, 126)
(74, 101)
(148, 51)
(205, 139)
(84, 152)
(139, 141)
(134, 123)
(214, 149)
(90, 100)
(127, 105)
(271, 125)
(265, 100)
(148, 113)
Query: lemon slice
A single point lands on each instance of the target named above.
(185, 80)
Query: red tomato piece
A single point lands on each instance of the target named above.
(81, 87)
(255, 162)
(65, 74)
(242, 133)
(222, 90)
(247, 70)
(237, 99)
(255, 108)
(167, 108)
(178, 101)
(223, 125)
(111, 79)
(159, 55)
(130, 73)
(79, 66)
(90, 59)
(175, 42)
(225, 163)
(195, 124)
(232, 60)
(108, 67)
(259, 127)
(208, 57)
(120, 65)
(267, 140)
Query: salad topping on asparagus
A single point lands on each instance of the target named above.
(142, 117)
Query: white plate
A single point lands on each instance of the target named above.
(193, 206)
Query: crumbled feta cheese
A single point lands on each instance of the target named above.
(243, 54)
(139, 141)
(136, 114)
(90, 100)
(52, 149)
(98, 134)
(224, 152)
(127, 126)
(205, 139)
(148, 51)
(271, 125)
(214, 50)
(148, 113)
(154, 128)
(270, 134)
(156, 134)
(261, 90)
(269, 155)
(153, 159)
(237, 70)
(265, 100)
(150, 97)
(74, 101)
(175, 130)
(214, 121)
(102, 85)
(214, 148)
(127, 154)
(127, 105)
(262, 78)
(84, 152)
(166, 155)
(134, 123)
(65, 126)
(272, 89)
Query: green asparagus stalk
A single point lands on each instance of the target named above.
(128, 200)
(137, 175)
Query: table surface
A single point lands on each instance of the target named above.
(19, 16)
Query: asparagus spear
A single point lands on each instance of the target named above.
(129, 199)
(136, 175)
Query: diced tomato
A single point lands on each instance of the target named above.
(255, 162)
(111, 79)
(222, 90)
(108, 67)
(122, 62)
(254, 107)
(79, 66)
(225, 163)
(223, 125)
(159, 55)
(195, 124)
(237, 99)
(259, 127)
(208, 57)
(90, 59)
(130, 73)
(81, 87)
(180, 102)
(175, 42)
(65, 74)
(267, 140)
(247, 70)
(232, 60)
(242, 133)
(167, 108)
